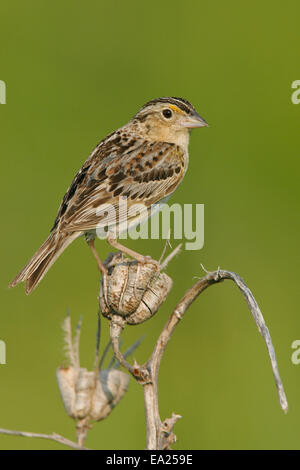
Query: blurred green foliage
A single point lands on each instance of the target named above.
(74, 72)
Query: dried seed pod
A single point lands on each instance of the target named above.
(88, 394)
(66, 379)
(110, 388)
(132, 290)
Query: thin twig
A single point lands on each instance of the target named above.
(98, 334)
(106, 349)
(170, 256)
(68, 339)
(76, 343)
(165, 246)
(138, 372)
(51, 437)
(210, 279)
(160, 435)
(128, 352)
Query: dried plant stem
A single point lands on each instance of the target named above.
(82, 429)
(51, 437)
(159, 434)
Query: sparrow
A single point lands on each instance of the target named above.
(143, 162)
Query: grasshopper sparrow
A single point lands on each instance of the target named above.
(143, 161)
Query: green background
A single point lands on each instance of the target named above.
(74, 72)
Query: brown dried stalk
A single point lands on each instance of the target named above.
(159, 434)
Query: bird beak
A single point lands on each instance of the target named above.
(193, 121)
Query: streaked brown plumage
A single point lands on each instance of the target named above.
(145, 161)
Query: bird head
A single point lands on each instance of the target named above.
(169, 119)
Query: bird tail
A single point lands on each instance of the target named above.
(42, 260)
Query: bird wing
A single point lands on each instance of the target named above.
(145, 172)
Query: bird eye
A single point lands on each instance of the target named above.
(167, 113)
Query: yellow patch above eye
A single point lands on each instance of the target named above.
(176, 109)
